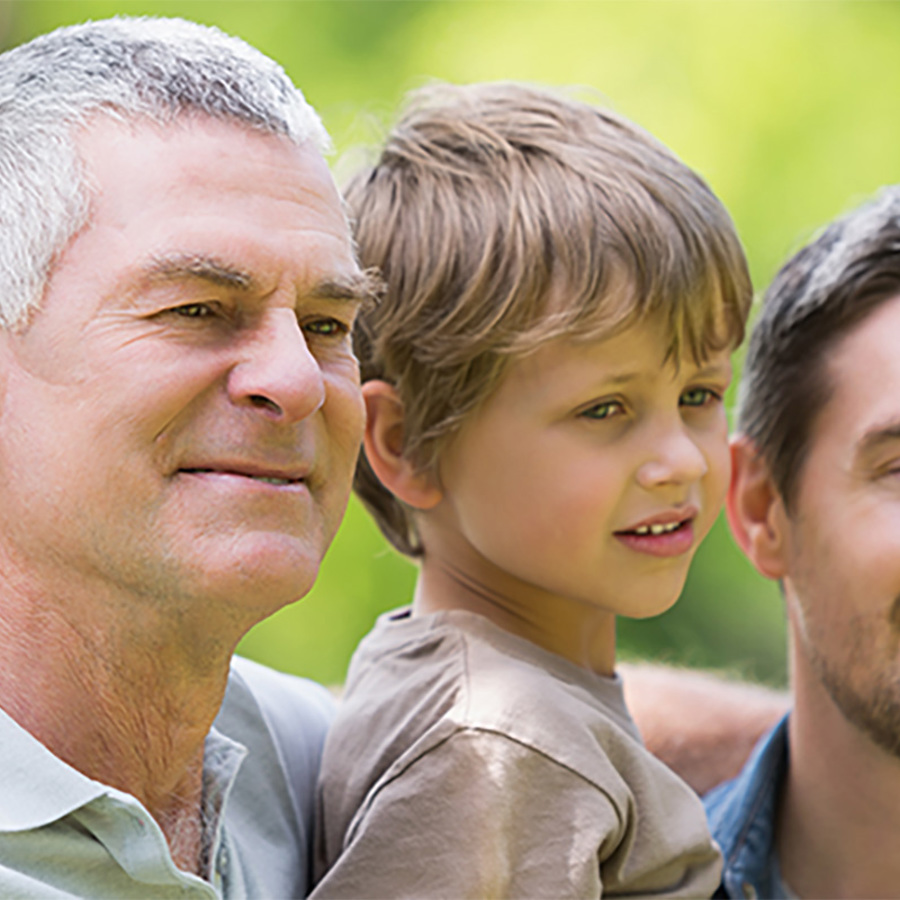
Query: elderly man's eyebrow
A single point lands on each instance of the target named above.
(363, 286)
(358, 287)
(179, 267)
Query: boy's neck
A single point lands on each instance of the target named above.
(579, 633)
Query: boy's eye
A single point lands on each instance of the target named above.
(603, 410)
(698, 397)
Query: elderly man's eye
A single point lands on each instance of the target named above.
(326, 327)
(194, 310)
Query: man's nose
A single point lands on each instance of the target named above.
(674, 457)
(277, 373)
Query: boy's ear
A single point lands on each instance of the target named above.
(755, 511)
(384, 448)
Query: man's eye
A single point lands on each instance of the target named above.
(604, 410)
(326, 327)
(194, 310)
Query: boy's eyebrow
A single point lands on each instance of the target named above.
(711, 370)
(714, 370)
(623, 377)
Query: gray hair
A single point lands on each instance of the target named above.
(126, 68)
(820, 294)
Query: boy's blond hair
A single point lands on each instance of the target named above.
(503, 216)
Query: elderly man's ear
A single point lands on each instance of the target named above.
(384, 449)
(756, 511)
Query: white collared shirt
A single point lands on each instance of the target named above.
(63, 834)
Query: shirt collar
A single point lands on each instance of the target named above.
(36, 787)
(742, 815)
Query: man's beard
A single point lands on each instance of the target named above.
(876, 711)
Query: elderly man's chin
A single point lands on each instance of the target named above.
(237, 556)
(258, 573)
(218, 583)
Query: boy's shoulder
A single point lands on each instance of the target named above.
(426, 678)
(430, 699)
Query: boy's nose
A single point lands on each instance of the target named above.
(675, 458)
(278, 373)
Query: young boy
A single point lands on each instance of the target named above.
(546, 434)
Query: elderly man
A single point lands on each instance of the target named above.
(815, 503)
(179, 420)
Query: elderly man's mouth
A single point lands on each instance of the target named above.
(278, 479)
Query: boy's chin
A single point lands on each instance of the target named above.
(654, 602)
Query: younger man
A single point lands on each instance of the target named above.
(544, 384)
(815, 504)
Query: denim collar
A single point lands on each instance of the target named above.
(742, 815)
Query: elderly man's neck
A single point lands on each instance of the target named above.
(127, 700)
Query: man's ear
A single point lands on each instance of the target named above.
(384, 448)
(755, 510)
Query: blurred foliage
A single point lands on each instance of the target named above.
(789, 109)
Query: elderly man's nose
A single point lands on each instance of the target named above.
(277, 372)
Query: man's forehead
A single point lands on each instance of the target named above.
(195, 150)
(862, 372)
(193, 190)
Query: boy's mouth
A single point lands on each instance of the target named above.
(669, 534)
(656, 529)
(663, 523)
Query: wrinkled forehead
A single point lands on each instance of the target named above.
(207, 163)
(224, 141)
(204, 201)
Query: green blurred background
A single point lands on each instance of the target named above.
(789, 109)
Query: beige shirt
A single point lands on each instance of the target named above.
(466, 762)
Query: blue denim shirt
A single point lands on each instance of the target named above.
(742, 814)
